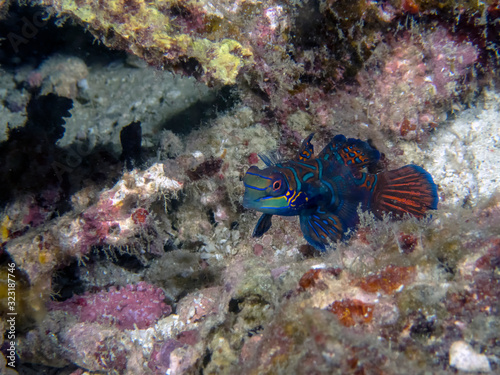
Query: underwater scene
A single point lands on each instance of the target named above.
(249, 187)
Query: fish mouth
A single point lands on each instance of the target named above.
(249, 202)
(246, 202)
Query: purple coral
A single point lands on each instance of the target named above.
(141, 305)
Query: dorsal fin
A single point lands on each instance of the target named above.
(306, 150)
(351, 152)
(270, 159)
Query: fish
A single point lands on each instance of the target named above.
(326, 190)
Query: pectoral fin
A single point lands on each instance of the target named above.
(321, 228)
(262, 226)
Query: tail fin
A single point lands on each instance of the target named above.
(407, 190)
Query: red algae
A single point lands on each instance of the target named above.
(253, 158)
(491, 259)
(410, 6)
(140, 216)
(311, 278)
(407, 242)
(388, 280)
(409, 82)
(206, 169)
(352, 311)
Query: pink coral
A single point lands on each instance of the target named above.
(196, 306)
(141, 305)
(408, 86)
(160, 358)
(99, 221)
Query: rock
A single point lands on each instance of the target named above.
(464, 358)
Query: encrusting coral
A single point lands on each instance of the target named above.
(181, 35)
(132, 306)
(377, 303)
(120, 218)
(212, 40)
(297, 55)
(410, 83)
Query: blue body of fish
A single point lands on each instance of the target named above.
(325, 191)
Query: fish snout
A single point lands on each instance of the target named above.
(248, 200)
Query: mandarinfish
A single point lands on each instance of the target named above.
(326, 190)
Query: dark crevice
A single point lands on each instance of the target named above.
(202, 111)
(30, 39)
(66, 282)
(234, 305)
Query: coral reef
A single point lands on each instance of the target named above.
(180, 35)
(398, 305)
(467, 166)
(292, 56)
(119, 218)
(364, 311)
(410, 83)
(218, 41)
(147, 265)
(138, 305)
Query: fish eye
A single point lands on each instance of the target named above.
(277, 185)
